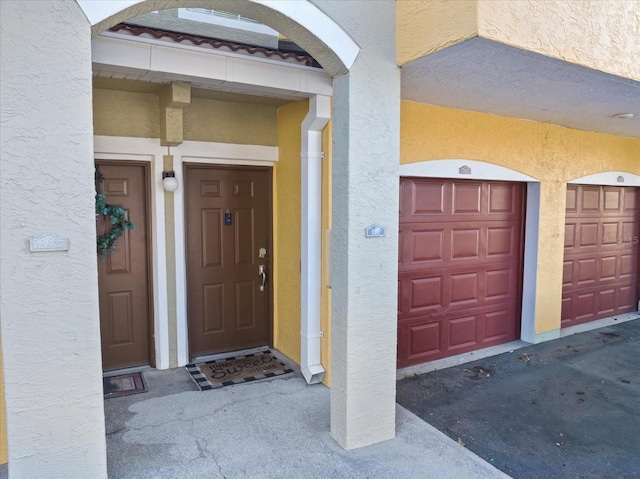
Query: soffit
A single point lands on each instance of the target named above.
(489, 77)
(134, 86)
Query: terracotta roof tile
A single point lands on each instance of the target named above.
(215, 43)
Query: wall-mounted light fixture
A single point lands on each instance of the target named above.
(169, 181)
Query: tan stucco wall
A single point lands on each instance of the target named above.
(226, 122)
(599, 34)
(549, 153)
(3, 416)
(286, 231)
(426, 26)
(123, 113)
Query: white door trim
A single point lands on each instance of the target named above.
(609, 178)
(462, 169)
(149, 149)
(145, 149)
(209, 154)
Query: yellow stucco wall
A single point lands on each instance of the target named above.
(286, 237)
(3, 416)
(426, 26)
(598, 34)
(286, 231)
(123, 113)
(549, 153)
(326, 225)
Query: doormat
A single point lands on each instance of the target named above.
(236, 370)
(124, 385)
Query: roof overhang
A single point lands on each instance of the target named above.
(122, 56)
(486, 76)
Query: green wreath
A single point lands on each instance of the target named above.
(119, 224)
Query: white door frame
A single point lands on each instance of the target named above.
(462, 169)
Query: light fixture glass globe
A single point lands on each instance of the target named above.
(170, 183)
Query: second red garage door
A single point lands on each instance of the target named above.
(601, 259)
(460, 266)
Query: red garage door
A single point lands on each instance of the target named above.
(460, 266)
(601, 272)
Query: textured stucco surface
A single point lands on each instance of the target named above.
(365, 191)
(125, 113)
(599, 34)
(3, 415)
(325, 321)
(286, 236)
(49, 301)
(549, 153)
(122, 113)
(426, 26)
(226, 122)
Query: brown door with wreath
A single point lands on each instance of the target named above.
(123, 276)
(227, 221)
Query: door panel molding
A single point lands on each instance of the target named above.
(131, 341)
(234, 315)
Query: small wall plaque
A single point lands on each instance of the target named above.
(620, 179)
(464, 170)
(48, 242)
(375, 231)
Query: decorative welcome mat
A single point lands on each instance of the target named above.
(236, 370)
(124, 385)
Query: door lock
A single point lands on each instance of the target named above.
(262, 272)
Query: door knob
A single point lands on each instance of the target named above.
(262, 272)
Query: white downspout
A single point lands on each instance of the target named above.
(311, 240)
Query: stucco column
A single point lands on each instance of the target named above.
(548, 304)
(364, 270)
(49, 300)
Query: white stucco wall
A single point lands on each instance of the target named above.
(366, 121)
(49, 301)
(599, 34)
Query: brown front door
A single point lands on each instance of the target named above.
(123, 276)
(460, 266)
(601, 259)
(227, 228)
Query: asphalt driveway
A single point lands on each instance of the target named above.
(568, 408)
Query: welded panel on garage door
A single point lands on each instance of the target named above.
(459, 266)
(600, 271)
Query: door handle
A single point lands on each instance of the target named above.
(262, 272)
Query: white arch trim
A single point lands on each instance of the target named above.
(301, 12)
(478, 170)
(609, 178)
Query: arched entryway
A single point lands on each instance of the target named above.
(50, 311)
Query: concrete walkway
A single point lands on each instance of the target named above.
(277, 429)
